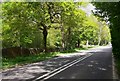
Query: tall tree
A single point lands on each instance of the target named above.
(110, 12)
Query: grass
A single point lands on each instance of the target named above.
(73, 50)
(19, 61)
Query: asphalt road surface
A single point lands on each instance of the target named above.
(93, 64)
(96, 66)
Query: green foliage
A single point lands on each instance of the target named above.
(45, 25)
(110, 12)
(50, 24)
(117, 61)
(15, 24)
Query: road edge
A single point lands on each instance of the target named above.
(115, 75)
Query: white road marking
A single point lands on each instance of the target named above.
(56, 71)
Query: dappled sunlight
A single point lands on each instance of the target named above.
(71, 55)
(90, 65)
(103, 69)
(95, 62)
(35, 67)
(41, 68)
(58, 36)
(97, 49)
(93, 67)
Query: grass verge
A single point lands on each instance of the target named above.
(19, 61)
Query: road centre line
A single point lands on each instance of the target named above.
(58, 70)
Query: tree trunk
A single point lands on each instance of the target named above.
(87, 43)
(45, 33)
(62, 34)
(69, 39)
(99, 40)
(78, 45)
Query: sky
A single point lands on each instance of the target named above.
(88, 9)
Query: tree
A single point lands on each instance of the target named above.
(15, 23)
(48, 25)
(110, 12)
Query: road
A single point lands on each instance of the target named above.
(97, 66)
(95, 63)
